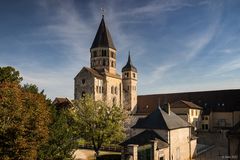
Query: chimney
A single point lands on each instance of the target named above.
(166, 105)
(166, 108)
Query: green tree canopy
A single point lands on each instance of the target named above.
(99, 123)
(62, 139)
(9, 74)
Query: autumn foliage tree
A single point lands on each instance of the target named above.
(24, 117)
(99, 123)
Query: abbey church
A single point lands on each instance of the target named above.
(156, 131)
(101, 79)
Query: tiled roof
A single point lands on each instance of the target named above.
(221, 100)
(145, 137)
(62, 102)
(159, 119)
(103, 37)
(185, 104)
(129, 66)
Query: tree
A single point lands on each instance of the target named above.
(24, 118)
(9, 74)
(62, 140)
(99, 123)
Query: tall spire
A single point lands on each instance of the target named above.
(129, 66)
(103, 37)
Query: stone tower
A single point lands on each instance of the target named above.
(101, 79)
(103, 51)
(129, 80)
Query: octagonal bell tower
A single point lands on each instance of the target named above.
(103, 51)
(129, 80)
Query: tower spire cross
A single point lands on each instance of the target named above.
(102, 11)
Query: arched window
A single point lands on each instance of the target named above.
(104, 62)
(134, 75)
(114, 100)
(104, 53)
(83, 93)
(94, 53)
(83, 81)
(112, 64)
(116, 92)
(112, 90)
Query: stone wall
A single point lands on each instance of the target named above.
(179, 144)
(83, 82)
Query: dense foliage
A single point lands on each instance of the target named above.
(9, 74)
(24, 119)
(99, 123)
(62, 140)
(30, 126)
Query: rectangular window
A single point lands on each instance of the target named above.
(206, 126)
(97, 89)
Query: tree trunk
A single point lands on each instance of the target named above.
(97, 154)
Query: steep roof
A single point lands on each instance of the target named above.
(159, 119)
(91, 71)
(220, 100)
(145, 137)
(129, 66)
(185, 104)
(103, 37)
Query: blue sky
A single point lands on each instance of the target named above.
(176, 45)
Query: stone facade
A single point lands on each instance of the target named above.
(162, 135)
(188, 111)
(101, 80)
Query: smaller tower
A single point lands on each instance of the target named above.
(129, 80)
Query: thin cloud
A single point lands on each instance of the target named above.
(157, 74)
(157, 7)
(223, 68)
